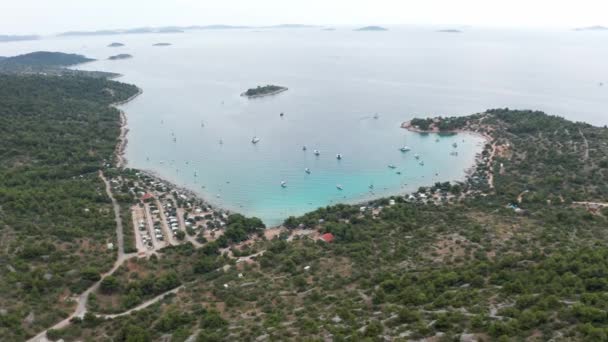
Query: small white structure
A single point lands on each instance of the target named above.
(110, 246)
(306, 268)
(391, 202)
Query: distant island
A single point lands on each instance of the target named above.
(266, 90)
(372, 28)
(162, 44)
(450, 31)
(120, 56)
(167, 29)
(592, 28)
(328, 29)
(10, 38)
(170, 30)
(116, 44)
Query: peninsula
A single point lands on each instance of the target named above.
(120, 56)
(266, 90)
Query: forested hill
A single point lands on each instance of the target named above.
(45, 62)
(45, 59)
(55, 218)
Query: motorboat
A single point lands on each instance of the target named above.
(338, 156)
(307, 170)
(255, 140)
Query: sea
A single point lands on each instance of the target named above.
(348, 94)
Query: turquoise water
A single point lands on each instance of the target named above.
(337, 81)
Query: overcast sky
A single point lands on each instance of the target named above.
(52, 16)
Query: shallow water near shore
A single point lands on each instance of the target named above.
(337, 81)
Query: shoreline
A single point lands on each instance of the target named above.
(469, 172)
(264, 95)
(121, 161)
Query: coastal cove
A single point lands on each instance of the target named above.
(176, 125)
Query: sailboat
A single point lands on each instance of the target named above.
(317, 152)
(255, 140)
(304, 148)
(338, 156)
(455, 145)
(391, 166)
(307, 170)
(417, 156)
(339, 187)
(405, 149)
(283, 184)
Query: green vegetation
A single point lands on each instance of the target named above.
(55, 218)
(513, 253)
(471, 266)
(263, 91)
(49, 63)
(43, 59)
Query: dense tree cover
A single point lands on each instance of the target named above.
(409, 270)
(55, 218)
(44, 59)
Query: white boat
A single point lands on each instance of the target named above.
(283, 184)
(455, 145)
(339, 187)
(421, 163)
(338, 156)
(307, 170)
(317, 152)
(417, 156)
(391, 166)
(255, 140)
(371, 186)
(405, 149)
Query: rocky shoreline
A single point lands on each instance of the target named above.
(121, 161)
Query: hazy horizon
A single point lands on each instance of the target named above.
(32, 17)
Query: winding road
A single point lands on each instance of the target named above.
(81, 307)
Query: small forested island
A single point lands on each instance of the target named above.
(115, 44)
(372, 28)
(120, 56)
(266, 90)
(162, 44)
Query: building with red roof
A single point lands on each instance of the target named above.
(146, 197)
(328, 237)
